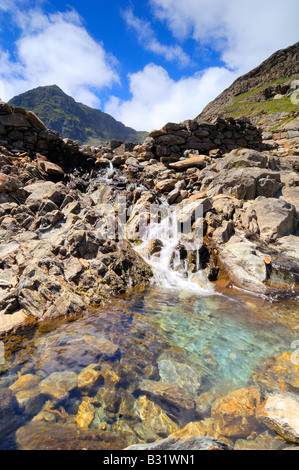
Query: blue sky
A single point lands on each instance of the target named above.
(144, 62)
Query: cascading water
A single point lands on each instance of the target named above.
(169, 256)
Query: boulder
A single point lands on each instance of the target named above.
(236, 414)
(46, 190)
(245, 183)
(275, 217)
(247, 158)
(244, 265)
(281, 413)
(194, 161)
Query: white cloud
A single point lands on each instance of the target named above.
(157, 99)
(246, 34)
(147, 38)
(56, 49)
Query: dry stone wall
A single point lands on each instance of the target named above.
(23, 131)
(214, 139)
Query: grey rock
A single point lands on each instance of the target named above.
(181, 444)
(276, 218)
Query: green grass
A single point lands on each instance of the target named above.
(243, 96)
(242, 107)
(268, 107)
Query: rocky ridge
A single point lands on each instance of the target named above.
(273, 77)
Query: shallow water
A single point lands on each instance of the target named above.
(219, 337)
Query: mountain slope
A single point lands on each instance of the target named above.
(73, 120)
(252, 95)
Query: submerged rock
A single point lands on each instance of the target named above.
(277, 374)
(179, 374)
(236, 414)
(39, 435)
(59, 384)
(264, 441)
(153, 417)
(9, 409)
(175, 396)
(86, 413)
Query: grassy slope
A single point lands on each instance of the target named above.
(244, 106)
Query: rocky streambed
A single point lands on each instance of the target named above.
(115, 334)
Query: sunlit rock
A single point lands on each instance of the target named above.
(235, 414)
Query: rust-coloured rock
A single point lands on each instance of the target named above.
(235, 414)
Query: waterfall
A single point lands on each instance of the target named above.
(169, 255)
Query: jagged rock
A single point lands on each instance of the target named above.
(46, 190)
(8, 184)
(13, 321)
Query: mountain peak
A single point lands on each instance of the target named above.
(76, 121)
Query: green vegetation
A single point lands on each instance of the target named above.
(73, 120)
(244, 104)
(267, 107)
(248, 94)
